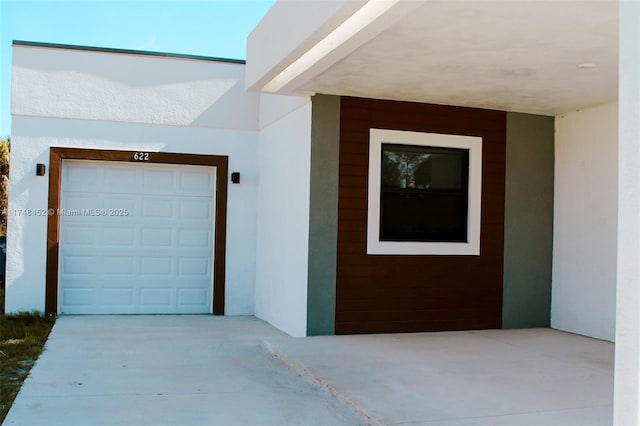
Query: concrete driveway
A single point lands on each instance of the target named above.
(203, 370)
(167, 370)
(535, 377)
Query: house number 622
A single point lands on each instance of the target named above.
(141, 156)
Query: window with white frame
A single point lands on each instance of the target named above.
(424, 193)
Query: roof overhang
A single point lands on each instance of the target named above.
(544, 57)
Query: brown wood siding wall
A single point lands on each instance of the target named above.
(380, 294)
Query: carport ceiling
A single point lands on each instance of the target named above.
(508, 55)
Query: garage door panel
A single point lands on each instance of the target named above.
(152, 179)
(113, 202)
(156, 259)
(162, 266)
(159, 297)
(157, 208)
(157, 237)
(78, 203)
(116, 296)
(196, 209)
(190, 266)
(152, 299)
(192, 297)
(79, 235)
(156, 179)
(82, 177)
(82, 202)
(78, 296)
(194, 238)
(80, 265)
(119, 236)
(197, 181)
(115, 176)
(118, 265)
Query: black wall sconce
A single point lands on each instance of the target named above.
(40, 169)
(235, 177)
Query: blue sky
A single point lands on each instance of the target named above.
(207, 27)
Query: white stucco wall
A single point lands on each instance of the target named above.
(585, 222)
(275, 107)
(97, 100)
(283, 221)
(89, 85)
(626, 394)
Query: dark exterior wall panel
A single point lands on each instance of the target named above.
(528, 221)
(323, 215)
(379, 294)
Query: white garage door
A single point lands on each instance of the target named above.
(136, 238)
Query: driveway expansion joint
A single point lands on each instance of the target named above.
(345, 399)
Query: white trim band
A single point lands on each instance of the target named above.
(472, 143)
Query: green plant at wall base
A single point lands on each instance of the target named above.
(5, 149)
